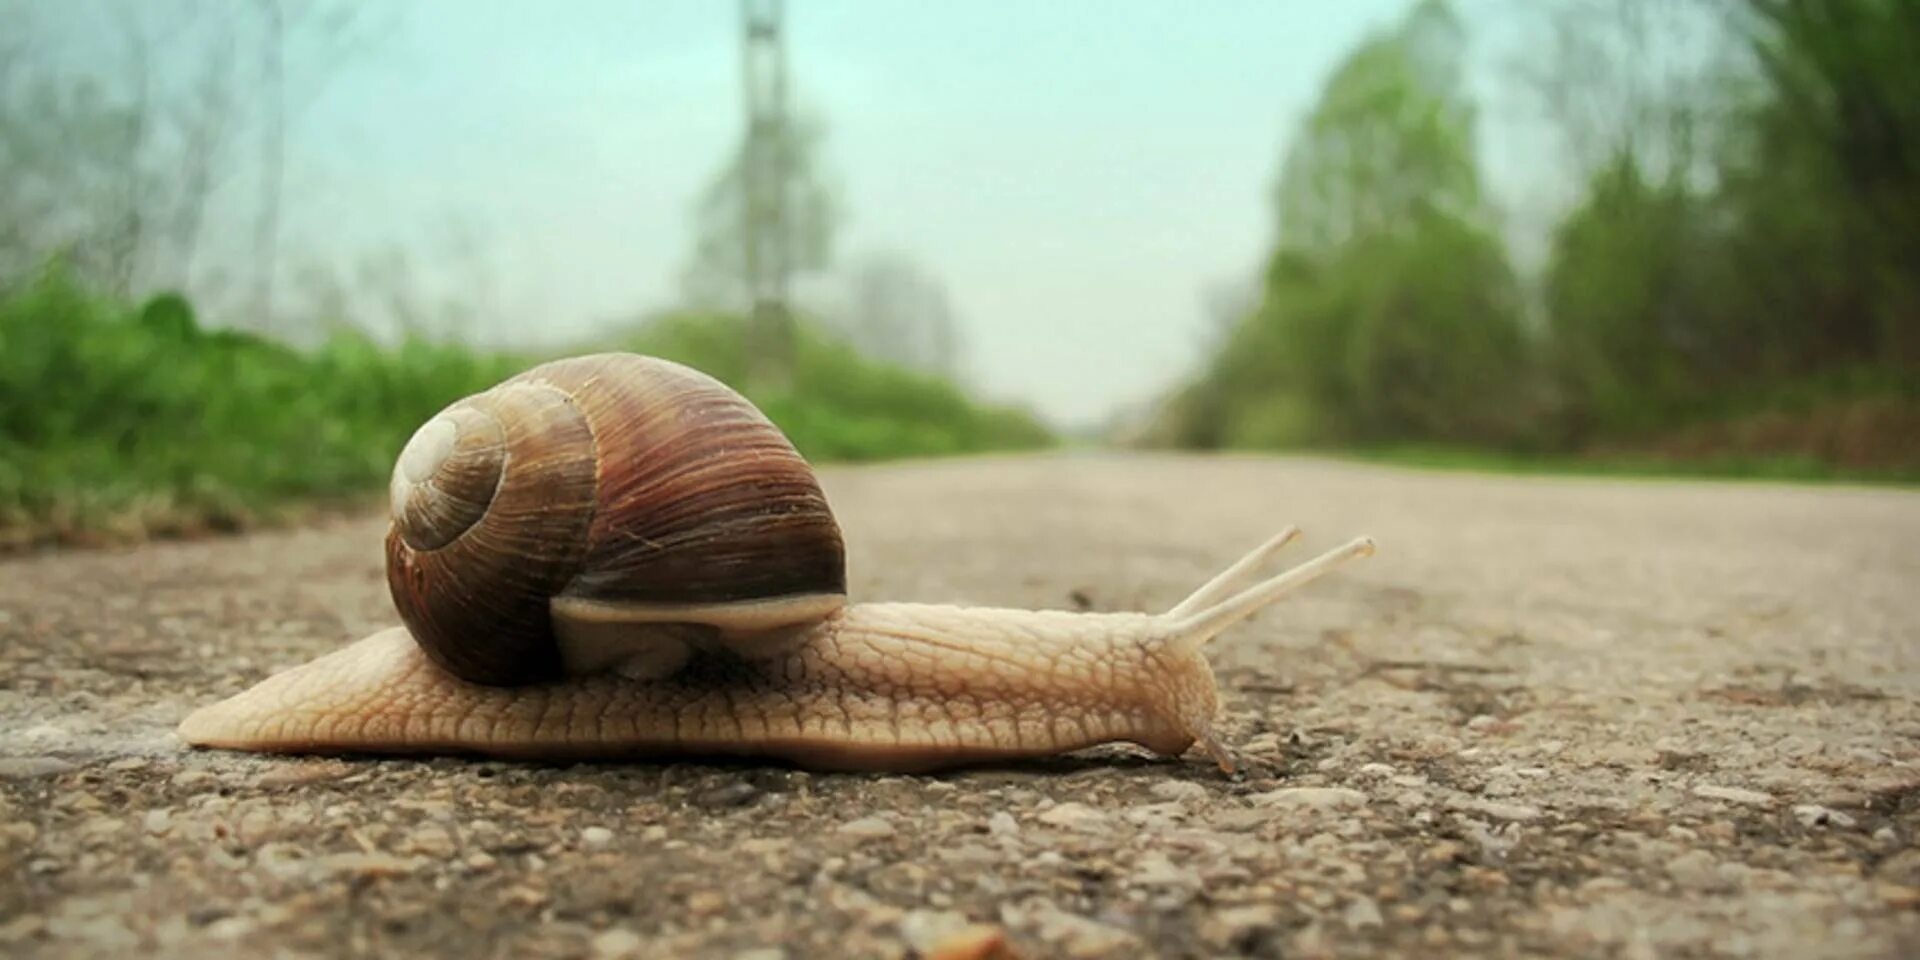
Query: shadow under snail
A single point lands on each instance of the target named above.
(616, 556)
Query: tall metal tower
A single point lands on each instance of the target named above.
(766, 230)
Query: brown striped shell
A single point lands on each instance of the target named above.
(607, 502)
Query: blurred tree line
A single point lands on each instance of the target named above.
(1740, 274)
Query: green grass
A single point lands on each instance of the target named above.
(119, 421)
(1622, 465)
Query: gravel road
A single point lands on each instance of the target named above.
(1551, 717)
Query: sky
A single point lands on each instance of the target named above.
(1079, 174)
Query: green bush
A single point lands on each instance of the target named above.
(841, 405)
(120, 422)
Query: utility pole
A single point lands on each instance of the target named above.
(766, 231)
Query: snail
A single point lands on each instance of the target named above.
(616, 556)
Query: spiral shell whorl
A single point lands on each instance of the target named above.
(491, 514)
(446, 476)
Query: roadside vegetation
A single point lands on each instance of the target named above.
(1735, 290)
(122, 421)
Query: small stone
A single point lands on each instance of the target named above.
(736, 794)
(866, 828)
(300, 774)
(1814, 815)
(702, 903)
(369, 865)
(924, 928)
(431, 840)
(596, 836)
(156, 821)
(193, 778)
(978, 941)
(1696, 870)
(231, 928)
(1185, 791)
(1751, 798)
(481, 862)
(28, 768)
(1156, 870)
(617, 943)
(1234, 925)
(1899, 896)
(1377, 769)
(1079, 936)
(1310, 798)
(1002, 824)
(1517, 812)
(1446, 851)
(1362, 913)
(525, 896)
(654, 833)
(21, 927)
(1237, 820)
(1077, 816)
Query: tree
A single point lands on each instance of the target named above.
(113, 167)
(896, 311)
(1390, 311)
(1825, 183)
(717, 275)
(1389, 140)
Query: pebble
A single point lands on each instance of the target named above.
(1751, 798)
(1814, 815)
(1517, 812)
(1377, 769)
(1310, 798)
(302, 774)
(596, 836)
(431, 840)
(156, 821)
(1362, 913)
(1156, 870)
(1696, 870)
(1233, 924)
(1073, 815)
(1181, 790)
(1078, 936)
(1899, 896)
(922, 929)
(1002, 824)
(866, 828)
(736, 794)
(370, 865)
(27, 768)
(979, 941)
(617, 943)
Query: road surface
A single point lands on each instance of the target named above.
(1550, 717)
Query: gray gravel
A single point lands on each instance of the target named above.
(1552, 716)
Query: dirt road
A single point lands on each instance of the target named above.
(1552, 716)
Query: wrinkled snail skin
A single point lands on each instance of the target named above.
(617, 557)
(876, 686)
(879, 686)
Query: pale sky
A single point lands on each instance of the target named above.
(1079, 174)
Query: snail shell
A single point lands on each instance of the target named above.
(606, 511)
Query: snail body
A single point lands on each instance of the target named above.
(619, 557)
